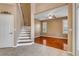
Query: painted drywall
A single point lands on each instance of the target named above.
(37, 28)
(26, 12)
(55, 29)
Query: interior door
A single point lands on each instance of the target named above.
(6, 30)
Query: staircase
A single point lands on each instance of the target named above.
(24, 36)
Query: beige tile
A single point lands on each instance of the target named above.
(32, 50)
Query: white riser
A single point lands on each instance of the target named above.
(24, 40)
(25, 29)
(24, 32)
(23, 44)
(23, 37)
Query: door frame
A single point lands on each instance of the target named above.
(72, 28)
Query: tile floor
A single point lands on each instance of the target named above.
(32, 50)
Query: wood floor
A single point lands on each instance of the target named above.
(52, 42)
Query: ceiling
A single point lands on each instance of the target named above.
(58, 12)
(41, 7)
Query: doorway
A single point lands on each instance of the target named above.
(51, 27)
